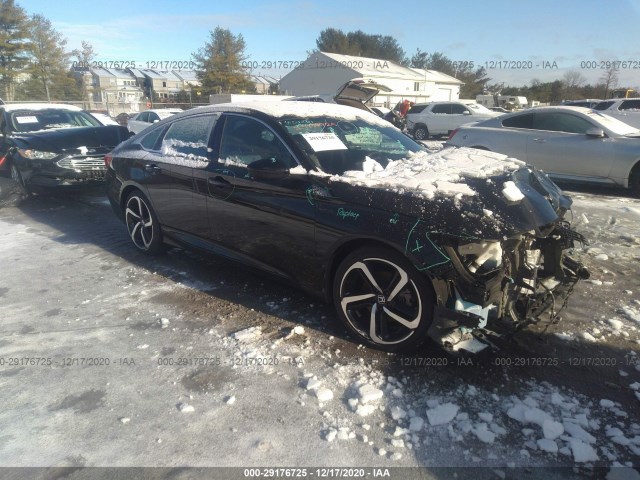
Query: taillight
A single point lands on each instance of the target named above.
(453, 133)
(2, 159)
(107, 160)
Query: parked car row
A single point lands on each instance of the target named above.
(569, 143)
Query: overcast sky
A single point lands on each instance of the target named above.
(567, 32)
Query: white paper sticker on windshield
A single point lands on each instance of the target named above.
(321, 142)
(27, 119)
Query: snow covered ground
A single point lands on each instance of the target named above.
(112, 358)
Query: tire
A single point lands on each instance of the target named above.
(421, 133)
(16, 176)
(142, 223)
(634, 181)
(383, 300)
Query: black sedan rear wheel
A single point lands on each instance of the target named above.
(383, 300)
(142, 223)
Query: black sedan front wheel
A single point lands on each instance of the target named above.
(16, 176)
(383, 300)
(142, 223)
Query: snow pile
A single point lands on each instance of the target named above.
(428, 174)
(442, 414)
(248, 334)
(511, 192)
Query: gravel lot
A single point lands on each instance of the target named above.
(109, 357)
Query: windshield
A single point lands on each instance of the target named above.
(337, 145)
(49, 118)
(479, 108)
(613, 124)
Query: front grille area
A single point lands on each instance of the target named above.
(83, 163)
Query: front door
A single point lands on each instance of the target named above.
(268, 221)
(558, 144)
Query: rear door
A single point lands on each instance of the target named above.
(439, 119)
(184, 147)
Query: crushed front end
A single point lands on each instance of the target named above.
(506, 266)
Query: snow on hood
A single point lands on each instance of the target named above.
(427, 175)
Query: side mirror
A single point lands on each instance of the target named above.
(466, 112)
(268, 169)
(156, 121)
(595, 132)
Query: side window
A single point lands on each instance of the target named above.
(441, 108)
(188, 138)
(519, 121)
(561, 122)
(630, 105)
(603, 105)
(457, 109)
(417, 108)
(150, 140)
(153, 116)
(143, 117)
(245, 140)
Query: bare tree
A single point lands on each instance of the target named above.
(572, 80)
(609, 80)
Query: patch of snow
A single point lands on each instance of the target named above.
(582, 452)
(369, 393)
(547, 445)
(186, 408)
(442, 414)
(511, 192)
(248, 334)
(324, 394)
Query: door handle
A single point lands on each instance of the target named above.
(540, 140)
(152, 168)
(218, 182)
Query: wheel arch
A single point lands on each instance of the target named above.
(126, 191)
(633, 181)
(353, 244)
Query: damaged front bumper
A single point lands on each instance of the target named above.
(493, 288)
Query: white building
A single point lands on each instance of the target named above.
(323, 73)
(115, 90)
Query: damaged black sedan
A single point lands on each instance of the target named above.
(407, 245)
(47, 144)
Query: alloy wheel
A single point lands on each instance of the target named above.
(380, 301)
(421, 133)
(139, 222)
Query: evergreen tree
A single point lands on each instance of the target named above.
(49, 63)
(360, 44)
(14, 45)
(220, 64)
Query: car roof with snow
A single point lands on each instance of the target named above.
(38, 106)
(299, 109)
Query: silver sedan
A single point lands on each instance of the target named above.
(569, 143)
